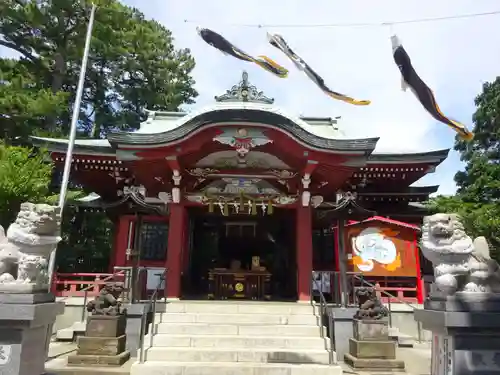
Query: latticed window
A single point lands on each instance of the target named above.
(154, 240)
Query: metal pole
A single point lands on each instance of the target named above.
(84, 310)
(342, 264)
(72, 134)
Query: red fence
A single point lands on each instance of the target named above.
(394, 290)
(407, 294)
(72, 284)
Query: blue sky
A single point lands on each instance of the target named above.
(454, 57)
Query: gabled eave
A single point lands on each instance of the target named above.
(249, 114)
(433, 158)
(91, 147)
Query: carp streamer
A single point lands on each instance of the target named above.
(411, 80)
(280, 43)
(227, 48)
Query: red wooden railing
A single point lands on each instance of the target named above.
(404, 289)
(406, 293)
(72, 284)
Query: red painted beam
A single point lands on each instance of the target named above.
(173, 163)
(310, 167)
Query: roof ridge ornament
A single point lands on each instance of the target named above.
(244, 92)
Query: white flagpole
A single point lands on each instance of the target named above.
(72, 134)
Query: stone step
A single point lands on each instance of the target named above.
(244, 330)
(232, 368)
(232, 341)
(59, 366)
(237, 355)
(230, 307)
(403, 340)
(225, 319)
(69, 334)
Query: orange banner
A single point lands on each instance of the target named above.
(378, 250)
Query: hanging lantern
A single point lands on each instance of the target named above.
(226, 210)
(242, 202)
(211, 207)
(270, 207)
(254, 208)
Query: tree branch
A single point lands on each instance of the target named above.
(18, 49)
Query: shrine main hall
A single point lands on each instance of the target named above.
(243, 200)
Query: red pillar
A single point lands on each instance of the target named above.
(122, 226)
(174, 251)
(420, 281)
(304, 253)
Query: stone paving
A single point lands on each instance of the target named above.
(57, 349)
(417, 360)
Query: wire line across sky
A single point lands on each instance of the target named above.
(360, 24)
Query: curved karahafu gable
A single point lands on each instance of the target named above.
(248, 114)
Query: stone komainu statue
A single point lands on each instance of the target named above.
(25, 249)
(370, 306)
(106, 303)
(460, 264)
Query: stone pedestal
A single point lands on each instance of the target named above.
(25, 328)
(466, 333)
(103, 344)
(371, 348)
(134, 321)
(342, 328)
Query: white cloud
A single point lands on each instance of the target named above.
(454, 57)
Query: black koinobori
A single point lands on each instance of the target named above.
(411, 80)
(227, 48)
(280, 43)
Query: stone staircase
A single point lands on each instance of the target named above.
(237, 338)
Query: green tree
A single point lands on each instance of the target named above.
(24, 176)
(87, 241)
(23, 106)
(478, 194)
(132, 64)
(480, 182)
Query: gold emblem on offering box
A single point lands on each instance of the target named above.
(239, 287)
(255, 263)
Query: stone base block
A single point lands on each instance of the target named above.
(370, 330)
(33, 298)
(25, 330)
(134, 323)
(464, 302)
(465, 342)
(101, 360)
(374, 364)
(16, 288)
(105, 326)
(101, 345)
(372, 349)
(59, 366)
